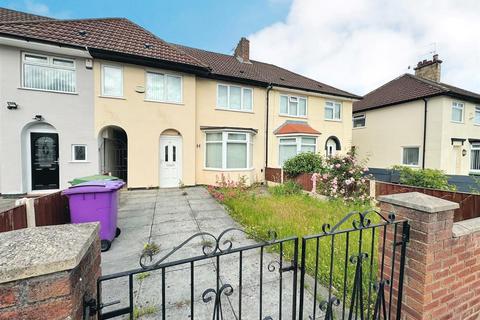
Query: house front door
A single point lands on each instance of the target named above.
(44, 160)
(170, 161)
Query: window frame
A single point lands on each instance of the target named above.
(289, 97)
(418, 160)
(333, 110)
(475, 146)
(166, 75)
(102, 92)
(73, 152)
(249, 149)
(242, 90)
(455, 106)
(49, 64)
(476, 109)
(362, 116)
(298, 143)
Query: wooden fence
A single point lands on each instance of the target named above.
(469, 203)
(13, 219)
(275, 175)
(49, 210)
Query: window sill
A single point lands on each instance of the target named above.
(411, 165)
(228, 170)
(457, 122)
(79, 161)
(49, 91)
(297, 117)
(164, 102)
(355, 128)
(233, 110)
(333, 120)
(112, 97)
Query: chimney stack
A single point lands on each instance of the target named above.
(429, 69)
(242, 51)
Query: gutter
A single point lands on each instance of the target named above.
(424, 131)
(270, 87)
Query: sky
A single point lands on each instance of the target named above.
(355, 45)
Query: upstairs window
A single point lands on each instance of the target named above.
(293, 106)
(359, 121)
(333, 110)
(234, 98)
(48, 73)
(475, 157)
(291, 146)
(457, 111)
(228, 150)
(164, 87)
(411, 156)
(477, 115)
(112, 81)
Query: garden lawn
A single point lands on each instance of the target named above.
(301, 215)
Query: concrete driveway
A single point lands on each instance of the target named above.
(168, 217)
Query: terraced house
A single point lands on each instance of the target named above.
(154, 113)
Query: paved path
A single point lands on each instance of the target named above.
(168, 217)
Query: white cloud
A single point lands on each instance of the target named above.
(37, 8)
(358, 45)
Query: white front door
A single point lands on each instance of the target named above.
(170, 161)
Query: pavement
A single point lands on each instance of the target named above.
(170, 216)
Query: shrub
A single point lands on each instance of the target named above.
(344, 178)
(286, 189)
(226, 188)
(425, 178)
(305, 162)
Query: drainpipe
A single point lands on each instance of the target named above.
(266, 125)
(424, 132)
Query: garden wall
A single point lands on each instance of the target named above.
(442, 270)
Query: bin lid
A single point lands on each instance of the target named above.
(95, 186)
(92, 178)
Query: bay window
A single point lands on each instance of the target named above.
(475, 157)
(48, 73)
(333, 110)
(112, 81)
(293, 106)
(228, 150)
(289, 147)
(234, 98)
(164, 87)
(457, 112)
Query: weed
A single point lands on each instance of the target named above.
(142, 276)
(143, 311)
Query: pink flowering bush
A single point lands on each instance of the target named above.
(344, 178)
(226, 188)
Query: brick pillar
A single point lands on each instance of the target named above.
(431, 262)
(47, 271)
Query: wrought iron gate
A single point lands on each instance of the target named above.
(353, 270)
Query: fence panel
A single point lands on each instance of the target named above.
(13, 219)
(51, 209)
(273, 174)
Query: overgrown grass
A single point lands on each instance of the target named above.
(139, 312)
(301, 215)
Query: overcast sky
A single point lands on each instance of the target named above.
(356, 45)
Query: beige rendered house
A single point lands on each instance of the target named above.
(168, 115)
(418, 121)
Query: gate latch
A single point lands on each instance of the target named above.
(291, 267)
(90, 307)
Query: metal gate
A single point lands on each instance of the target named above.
(353, 270)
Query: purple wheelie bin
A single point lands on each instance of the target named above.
(96, 201)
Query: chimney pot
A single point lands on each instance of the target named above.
(242, 51)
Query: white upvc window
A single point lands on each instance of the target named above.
(228, 150)
(411, 156)
(48, 73)
(475, 157)
(359, 120)
(457, 111)
(79, 152)
(477, 115)
(333, 110)
(290, 146)
(164, 87)
(230, 97)
(112, 81)
(293, 106)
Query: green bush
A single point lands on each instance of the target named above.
(425, 178)
(288, 188)
(305, 162)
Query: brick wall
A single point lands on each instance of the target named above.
(442, 270)
(57, 295)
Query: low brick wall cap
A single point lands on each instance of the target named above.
(419, 201)
(37, 251)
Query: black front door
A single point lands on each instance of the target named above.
(44, 150)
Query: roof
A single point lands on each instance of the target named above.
(290, 127)
(8, 15)
(409, 87)
(229, 66)
(111, 34)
